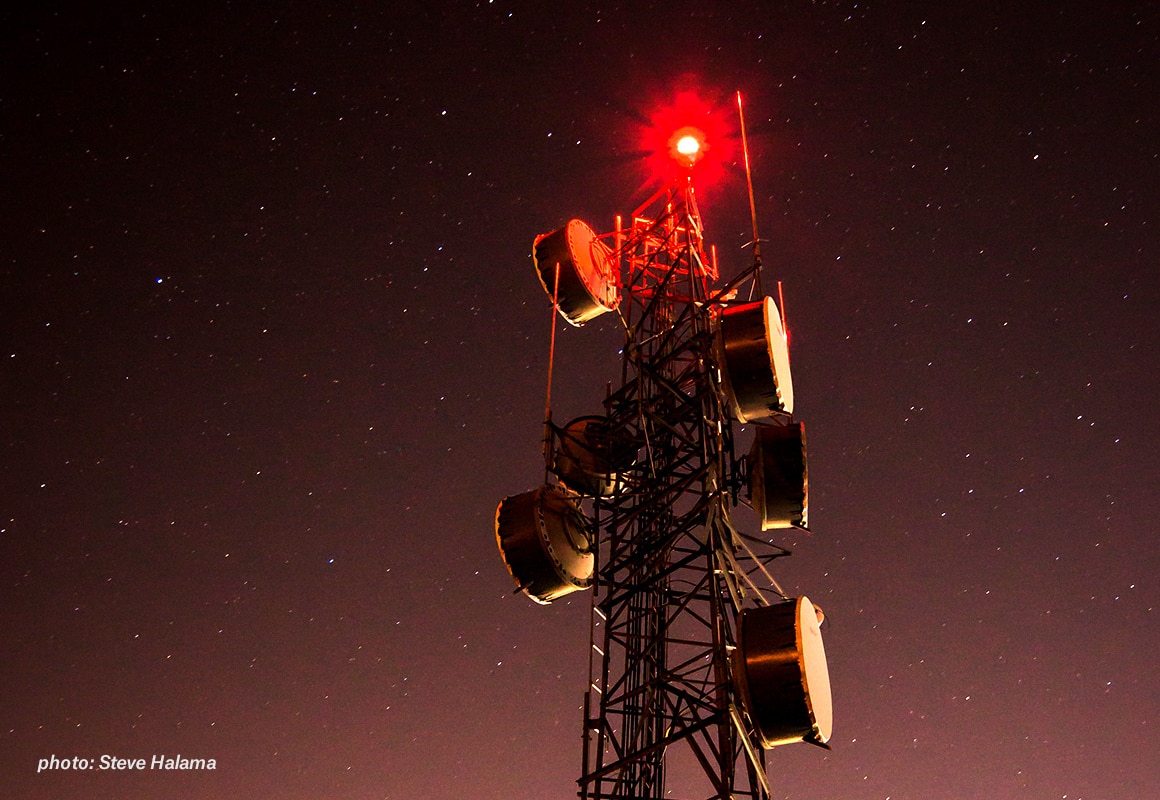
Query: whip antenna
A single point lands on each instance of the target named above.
(752, 205)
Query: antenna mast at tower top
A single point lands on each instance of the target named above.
(752, 204)
(699, 663)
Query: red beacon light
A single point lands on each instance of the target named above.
(687, 146)
(686, 139)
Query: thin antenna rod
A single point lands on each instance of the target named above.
(752, 205)
(551, 364)
(784, 324)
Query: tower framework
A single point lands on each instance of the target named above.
(698, 661)
(669, 585)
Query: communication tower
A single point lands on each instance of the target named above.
(698, 661)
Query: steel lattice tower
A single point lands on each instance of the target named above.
(698, 661)
(664, 618)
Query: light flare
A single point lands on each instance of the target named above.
(687, 139)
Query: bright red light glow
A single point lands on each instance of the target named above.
(687, 145)
(688, 138)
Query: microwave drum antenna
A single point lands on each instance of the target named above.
(753, 354)
(780, 672)
(544, 541)
(587, 285)
(779, 476)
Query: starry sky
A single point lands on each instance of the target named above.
(273, 349)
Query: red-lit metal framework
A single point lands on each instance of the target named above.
(698, 661)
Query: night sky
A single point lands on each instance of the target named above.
(273, 349)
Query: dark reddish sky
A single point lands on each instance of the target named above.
(273, 348)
